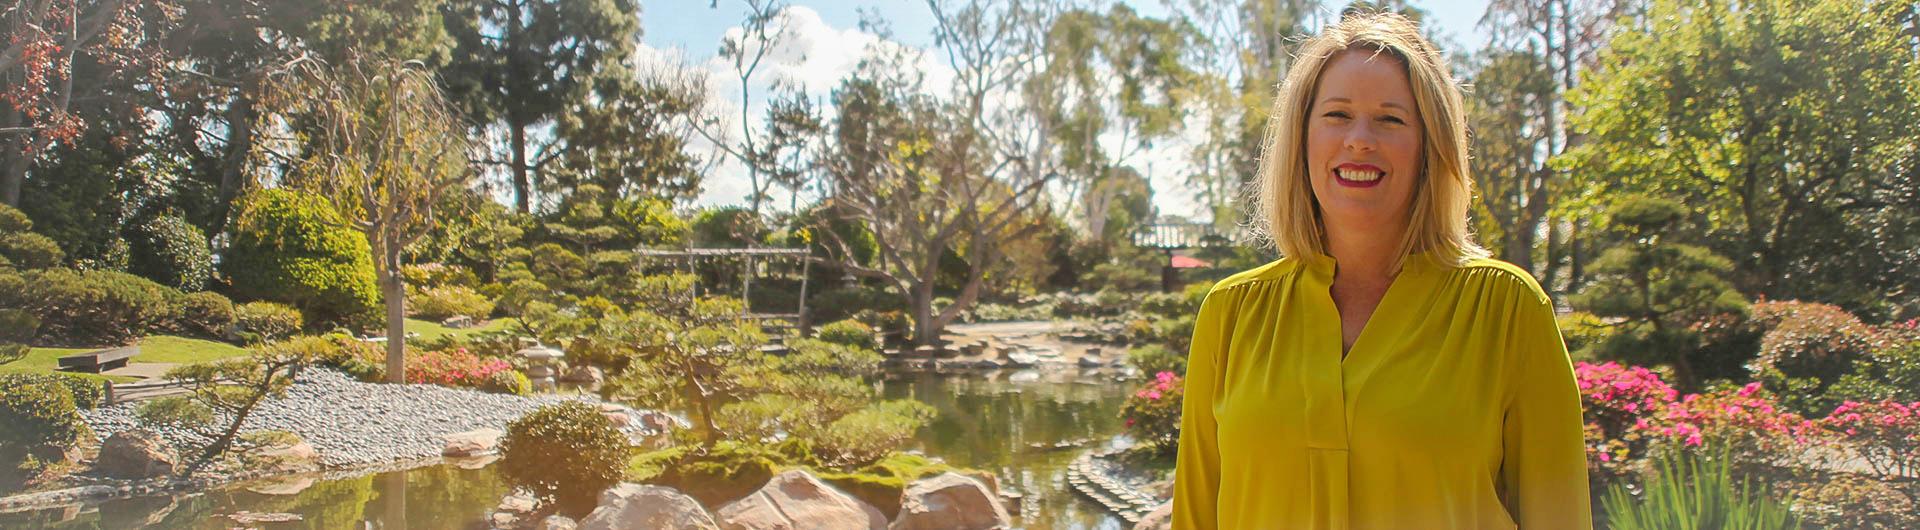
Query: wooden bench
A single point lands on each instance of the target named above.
(99, 361)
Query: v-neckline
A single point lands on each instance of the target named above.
(1327, 267)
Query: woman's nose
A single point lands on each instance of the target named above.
(1360, 137)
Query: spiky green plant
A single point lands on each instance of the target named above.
(1694, 492)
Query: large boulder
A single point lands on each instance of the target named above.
(645, 506)
(949, 501)
(136, 453)
(478, 442)
(1161, 518)
(796, 500)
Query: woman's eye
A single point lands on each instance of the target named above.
(1394, 120)
(1339, 115)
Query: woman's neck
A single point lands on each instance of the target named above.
(1365, 255)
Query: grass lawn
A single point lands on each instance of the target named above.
(433, 330)
(153, 349)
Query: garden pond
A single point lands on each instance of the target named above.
(1025, 427)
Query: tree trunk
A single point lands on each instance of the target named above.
(233, 167)
(522, 187)
(13, 156)
(926, 332)
(394, 290)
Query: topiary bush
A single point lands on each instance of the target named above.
(41, 423)
(564, 453)
(169, 250)
(850, 333)
(204, 314)
(174, 412)
(267, 321)
(1153, 359)
(510, 382)
(293, 248)
(22, 249)
(91, 308)
(446, 301)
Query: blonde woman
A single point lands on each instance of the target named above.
(1384, 373)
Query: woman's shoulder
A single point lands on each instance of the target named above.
(1484, 274)
(1273, 270)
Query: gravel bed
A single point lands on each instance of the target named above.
(351, 423)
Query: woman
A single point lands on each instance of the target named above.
(1383, 373)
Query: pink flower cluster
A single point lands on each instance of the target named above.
(1887, 433)
(1629, 407)
(453, 368)
(1164, 382)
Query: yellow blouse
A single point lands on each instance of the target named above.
(1455, 408)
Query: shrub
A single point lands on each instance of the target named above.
(865, 436)
(1885, 434)
(438, 274)
(174, 412)
(85, 393)
(17, 325)
(41, 423)
(1154, 359)
(94, 307)
(294, 248)
(837, 304)
(510, 382)
(1855, 502)
(1890, 372)
(204, 314)
(169, 250)
(437, 303)
(366, 361)
(566, 453)
(1583, 331)
(453, 368)
(267, 321)
(849, 333)
(13, 220)
(27, 250)
(1695, 492)
(1811, 340)
(1153, 413)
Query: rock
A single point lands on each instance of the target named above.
(585, 374)
(926, 352)
(476, 442)
(504, 520)
(137, 453)
(458, 322)
(295, 455)
(616, 414)
(285, 486)
(516, 504)
(1091, 362)
(249, 518)
(644, 506)
(986, 364)
(555, 522)
(799, 501)
(949, 501)
(1161, 518)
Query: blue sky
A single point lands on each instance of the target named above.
(828, 42)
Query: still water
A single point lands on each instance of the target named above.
(1007, 423)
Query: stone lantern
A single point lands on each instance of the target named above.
(540, 360)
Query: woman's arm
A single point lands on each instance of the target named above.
(1544, 470)
(1196, 478)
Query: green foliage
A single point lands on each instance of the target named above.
(17, 325)
(233, 388)
(438, 303)
(174, 412)
(1856, 502)
(1891, 372)
(204, 314)
(41, 421)
(1658, 288)
(167, 249)
(438, 275)
(727, 226)
(90, 308)
(84, 393)
(850, 333)
(293, 248)
(12, 220)
(1153, 413)
(27, 250)
(565, 453)
(867, 435)
(267, 321)
(1696, 492)
(845, 302)
(1153, 359)
(510, 382)
(1583, 331)
(1731, 108)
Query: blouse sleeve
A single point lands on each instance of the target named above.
(1196, 477)
(1544, 466)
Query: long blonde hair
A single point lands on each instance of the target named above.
(1437, 223)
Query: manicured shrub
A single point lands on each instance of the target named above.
(453, 368)
(1153, 413)
(91, 308)
(850, 333)
(564, 453)
(1153, 359)
(1806, 348)
(842, 303)
(17, 325)
(204, 314)
(867, 435)
(174, 412)
(442, 302)
(365, 361)
(27, 250)
(169, 250)
(509, 382)
(13, 220)
(294, 248)
(438, 274)
(267, 321)
(41, 423)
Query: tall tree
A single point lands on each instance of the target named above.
(518, 64)
(1785, 125)
(1508, 111)
(386, 147)
(1565, 35)
(632, 137)
(762, 28)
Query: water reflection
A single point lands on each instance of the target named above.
(1014, 424)
(1022, 426)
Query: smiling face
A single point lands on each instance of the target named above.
(1363, 140)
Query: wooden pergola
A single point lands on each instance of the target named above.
(1170, 237)
(694, 256)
